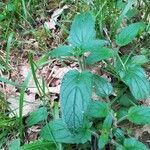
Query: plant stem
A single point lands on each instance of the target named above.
(114, 142)
(122, 119)
(121, 61)
(8, 47)
(80, 64)
(21, 101)
(120, 94)
(34, 74)
(24, 8)
(95, 134)
(133, 49)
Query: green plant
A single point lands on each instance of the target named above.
(96, 121)
(79, 109)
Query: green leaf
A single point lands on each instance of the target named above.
(63, 50)
(93, 45)
(98, 109)
(139, 115)
(120, 4)
(123, 111)
(102, 87)
(57, 131)
(133, 62)
(131, 13)
(145, 51)
(126, 7)
(119, 135)
(139, 60)
(38, 145)
(127, 100)
(39, 115)
(75, 96)
(103, 140)
(129, 33)
(107, 123)
(82, 29)
(106, 127)
(10, 7)
(82, 37)
(100, 54)
(14, 145)
(8, 47)
(3, 16)
(132, 144)
(135, 78)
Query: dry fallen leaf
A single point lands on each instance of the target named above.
(146, 128)
(53, 21)
(30, 104)
(53, 74)
(59, 72)
(32, 133)
(147, 102)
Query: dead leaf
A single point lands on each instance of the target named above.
(60, 72)
(146, 128)
(53, 21)
(147, 102)
(32, 133)
(29, 105)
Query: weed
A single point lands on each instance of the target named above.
(93, 110)
(79, 109)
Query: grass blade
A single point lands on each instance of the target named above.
(8, 47)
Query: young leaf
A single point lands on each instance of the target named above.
(14, 145)
(103, 140)
(38, 145)
(131, 63)
(129, 33)
(102, 87)
(98, 109)
(126, 7)
(82, 29)
(139, 115)
(39, 115)
(100, 54)
(82, 37)
(107, 123)
(75, 95)
(135, 78)
(132, 144)
(57, 131)
(104, 137)
(63, 50)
